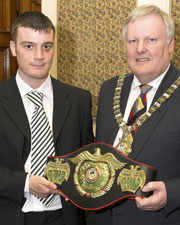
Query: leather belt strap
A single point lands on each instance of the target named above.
(98, 175)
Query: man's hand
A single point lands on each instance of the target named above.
(41, 187)
(157, 200)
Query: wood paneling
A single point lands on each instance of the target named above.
(36, 5)
(8, 13)
(9, 9)
(4, 15)
(29, 5)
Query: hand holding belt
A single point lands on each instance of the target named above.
(98, 175)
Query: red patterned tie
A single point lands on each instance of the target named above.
(139, 107)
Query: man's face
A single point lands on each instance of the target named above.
(34, 51)
(147, 49)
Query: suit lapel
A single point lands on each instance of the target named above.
(110, 137)
(13, 105)
(145, 131)
(125, 92)
(148, 127)
(124, 96)
(113, 129)
(61, 107)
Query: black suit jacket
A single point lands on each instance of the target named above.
(72, 128)
(156, 143)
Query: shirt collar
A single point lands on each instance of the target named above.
(155, 83)
(24, 88)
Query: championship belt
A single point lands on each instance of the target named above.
(98, 175)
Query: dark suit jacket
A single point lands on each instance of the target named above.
(72, 128)
(156, 143)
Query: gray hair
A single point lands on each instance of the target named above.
(147, 10)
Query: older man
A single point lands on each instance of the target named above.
(145, 116)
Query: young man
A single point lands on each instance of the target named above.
(68, 110)
(148, 34)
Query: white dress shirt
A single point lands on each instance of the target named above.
(32, 203)
(134, 93)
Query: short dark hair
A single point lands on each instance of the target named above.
(34, 20)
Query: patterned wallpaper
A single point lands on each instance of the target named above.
(175, 13)
(90, 44)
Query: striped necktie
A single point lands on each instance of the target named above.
(139, 106)
(42, 144)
